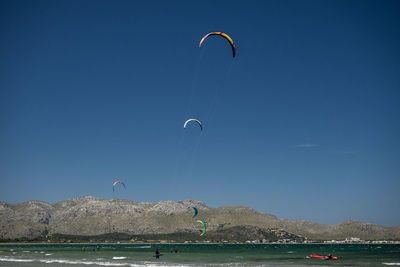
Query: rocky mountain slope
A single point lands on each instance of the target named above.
(90, 216)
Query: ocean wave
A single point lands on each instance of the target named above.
(119, 258)
(391, 263)
(16, 260)
(101, 263)
(82, 262)
(137, 264)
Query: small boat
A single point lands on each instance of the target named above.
(323, 257)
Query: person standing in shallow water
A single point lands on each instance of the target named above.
(157, 253)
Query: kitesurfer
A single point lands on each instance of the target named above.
(157, 253)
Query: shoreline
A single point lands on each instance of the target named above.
(194, 243)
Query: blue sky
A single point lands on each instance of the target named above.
(303, 123)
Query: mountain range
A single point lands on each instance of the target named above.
(90, 217)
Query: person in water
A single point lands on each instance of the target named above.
(157, 253)
(330, 257)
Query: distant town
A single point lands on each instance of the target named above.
(357, 240)
(351, 240)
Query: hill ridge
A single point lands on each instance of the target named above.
(92, 216)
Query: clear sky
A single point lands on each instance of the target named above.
(303, 123)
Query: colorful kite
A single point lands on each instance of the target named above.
(223, 35)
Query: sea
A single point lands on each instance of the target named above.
(192, 255)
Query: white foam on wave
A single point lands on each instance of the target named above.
(16, 260)
(391, 263)
(101, 263)
(118, 258)
(88, 262)
(48, 254)
(143, 247)
(152, 264)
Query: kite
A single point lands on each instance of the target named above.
(117, 182)
(189, 120)
(205, 227)
(223, 35)
(195, 211)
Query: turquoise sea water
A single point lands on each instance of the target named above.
(196, 255)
